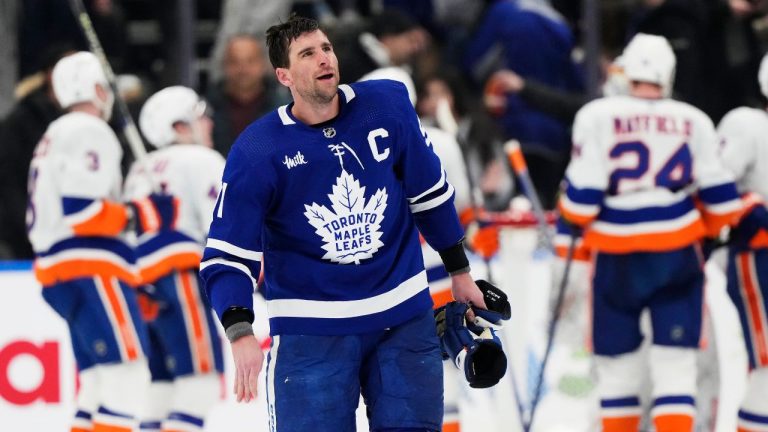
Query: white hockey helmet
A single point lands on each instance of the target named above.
(762, 76)
(74, 81)
(164, 109)
(649, 58)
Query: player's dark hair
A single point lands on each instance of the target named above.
(280, 36)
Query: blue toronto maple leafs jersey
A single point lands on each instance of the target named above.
(332, 211)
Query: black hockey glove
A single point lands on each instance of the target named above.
(479, 355)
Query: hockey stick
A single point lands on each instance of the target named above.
(551, 330)
(129, 127)
(517, 161)
(448, 123)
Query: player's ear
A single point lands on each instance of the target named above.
(284, 76)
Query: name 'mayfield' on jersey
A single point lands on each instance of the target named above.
(645, 176)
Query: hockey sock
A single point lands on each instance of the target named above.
(620, 414)
(106, 420)
(753, 415)
(150, 426)
(82, 422)
(181, 422)
(673, 373)
(619, 383)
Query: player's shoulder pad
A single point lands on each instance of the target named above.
(744, 116)
(694, 113)
(259, 139)
(76, 129)
(600, 107)
(382, 91)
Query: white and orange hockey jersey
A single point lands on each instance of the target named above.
(645, 176)
(743, 133)
(192, 174)
(74, 214)
(447, 149)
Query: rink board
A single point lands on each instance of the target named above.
(38, 375)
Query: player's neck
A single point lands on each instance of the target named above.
(645, 90)
(87, 108)
(313, 113)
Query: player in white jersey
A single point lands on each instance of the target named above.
(186, 358)
(75, 220)
(744, 139)
(646, 183)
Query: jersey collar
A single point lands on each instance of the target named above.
(347, 94)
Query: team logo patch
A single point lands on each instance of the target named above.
(329, 132)
(351, 228)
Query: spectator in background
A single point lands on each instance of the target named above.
(480, 138)
(245, 93)
(19, 133)
(389, 38)
(535, 43)
(716, 46)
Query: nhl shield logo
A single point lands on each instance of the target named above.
(329, 132)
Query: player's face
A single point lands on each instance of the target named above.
(314, 68)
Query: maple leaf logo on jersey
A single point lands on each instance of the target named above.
(351, 228)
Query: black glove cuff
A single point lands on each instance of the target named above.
(235, 315)
(455, 258)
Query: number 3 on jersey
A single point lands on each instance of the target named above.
(674, 175)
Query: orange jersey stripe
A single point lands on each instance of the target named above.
(108, 222)
(180, 261)
(451, 427)
(673, 423)
(754, 308)
(715, 222)
(103, 427)
(760, 240)
(191, 302)
(621, 424)
(580, 253)
(116, 301)
(83, 268)
(79, 429)
(654, 242)
(574, 218)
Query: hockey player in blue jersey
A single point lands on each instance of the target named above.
(328, 192)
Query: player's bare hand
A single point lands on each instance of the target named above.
(248, 362)
(465, 290)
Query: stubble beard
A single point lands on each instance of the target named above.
(319, 95)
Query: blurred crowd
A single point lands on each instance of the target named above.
(505, 69)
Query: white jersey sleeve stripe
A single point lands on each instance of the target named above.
(234, 250)
(297, 308)
(585, 210)
(415, 208)
(437, 186)
(725, 208)
(235, 265)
